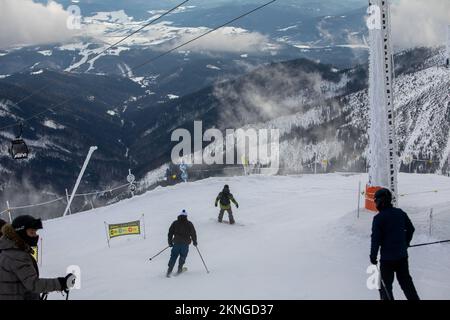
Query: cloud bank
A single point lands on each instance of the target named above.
(24, 22)
(420, 22)
(228, 39)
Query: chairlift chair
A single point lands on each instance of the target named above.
(19, 149)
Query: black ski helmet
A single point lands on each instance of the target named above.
(26, 222)
(383, 198)
(22, 223)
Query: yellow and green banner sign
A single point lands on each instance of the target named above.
(35, 253)
(124, 229)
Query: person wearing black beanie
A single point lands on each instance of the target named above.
(19, 273)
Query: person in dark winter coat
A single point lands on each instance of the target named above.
(2, 223)
(181, 233)
(225, 198)
(392, 231)
(19, 273)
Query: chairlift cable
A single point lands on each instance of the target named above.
(155, 58)
(202, 35)
(138, 30)
(96, 55)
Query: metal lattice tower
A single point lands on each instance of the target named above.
(382, 137)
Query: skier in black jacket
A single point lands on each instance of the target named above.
(392, 230)
(181, 232)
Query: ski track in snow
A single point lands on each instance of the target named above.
(301, 240)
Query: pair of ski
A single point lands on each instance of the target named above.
(183, 270)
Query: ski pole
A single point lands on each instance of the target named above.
(430, 243)
(159, 253)
(202, 259)
(384, 285)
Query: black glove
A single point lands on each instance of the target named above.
(67, 282)
(170, 244)
(216, 205)
(237, 206)
(373, 260)
(195, 243)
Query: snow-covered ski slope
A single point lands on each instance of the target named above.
(300, 239)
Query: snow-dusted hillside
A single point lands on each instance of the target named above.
(422, 105)
(297, 237)
(318, 109)
(336, 130)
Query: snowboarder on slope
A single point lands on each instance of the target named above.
(224, 199)
(181, 232)
(392, 230)
(19, 273)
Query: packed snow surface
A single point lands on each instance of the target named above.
(297, 237)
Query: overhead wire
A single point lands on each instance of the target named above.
(95, 56)
(138, 30)
(157, 57)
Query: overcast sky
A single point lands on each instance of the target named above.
(27, 22)
(415, 22)
(420, 22)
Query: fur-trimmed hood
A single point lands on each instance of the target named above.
(11, 240)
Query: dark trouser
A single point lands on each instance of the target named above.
(178, 249)
(230, 215)
(401, 269)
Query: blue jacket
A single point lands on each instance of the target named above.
(392, 230)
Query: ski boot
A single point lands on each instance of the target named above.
(231, 218)
(169, 272)
(180, 269)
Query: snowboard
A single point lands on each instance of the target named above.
(227, 222)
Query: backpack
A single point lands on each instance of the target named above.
(224, 198)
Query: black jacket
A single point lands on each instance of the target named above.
(392, 230)
(182, 231)
(2, 223)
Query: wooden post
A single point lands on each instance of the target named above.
(80, 176)
(9, 211)
(143, 224)
(86, 200)
(431, 221)
(315, 163)
(359, 197)
(67, 197)
(41, 251)
(107, 234)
